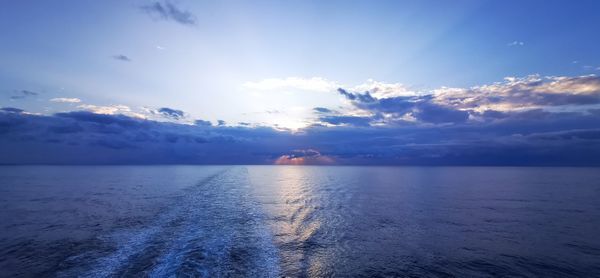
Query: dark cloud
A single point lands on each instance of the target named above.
(346, 94)
(346, 120)
(322, 110)
(202, 123)
(432, 113)
(487, 102)
(65, 128)
(362, 98)
(421, 108)
(104, 119)
(171, 113)
(121, 57)
(113, 144)
(23, 94)
(28, 93)
(515, 122)
(168, 11)
(11, 110)
(534, 137)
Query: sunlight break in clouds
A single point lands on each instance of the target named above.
(304, 157)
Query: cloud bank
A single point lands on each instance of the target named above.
(532, 120)
(480, 104)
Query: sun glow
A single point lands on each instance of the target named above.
(304, 157)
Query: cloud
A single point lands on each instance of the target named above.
(316, 84)
(322, 110)
(319, 84)
(11, 110)
(346, 120)
(202, 123)
(168, 11)
(170, 113)
(485, 102)
(28, 93)
(304, 157)
(534, 137)
(66, 100)
(530, 120)
(516, 43)
(358, 97)
(527, 92)
(384, 90)
(397, 109)
(23, 94)
(432, 113)
(109, 110)
(121, 57)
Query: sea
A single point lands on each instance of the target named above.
(299, 221)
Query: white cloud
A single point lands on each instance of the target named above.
(317, 84)
(66, 100)
(516, 43)
(112, 110)
(384, 90)
(533, 91)
(320, 84)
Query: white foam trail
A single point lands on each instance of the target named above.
(134, 242)
(216, 230)
(218, 233)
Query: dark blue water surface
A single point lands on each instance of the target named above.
(298, 221)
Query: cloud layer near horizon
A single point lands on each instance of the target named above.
(520, 121)
(81, 137)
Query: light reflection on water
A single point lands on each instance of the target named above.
(299, 221)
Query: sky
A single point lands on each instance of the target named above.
(300, 82)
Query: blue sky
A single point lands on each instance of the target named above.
(279, 66)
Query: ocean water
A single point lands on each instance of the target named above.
(299, 221)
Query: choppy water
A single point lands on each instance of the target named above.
(298, 221)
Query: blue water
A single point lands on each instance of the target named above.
(299, 221)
